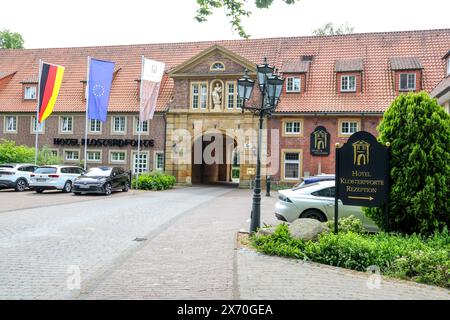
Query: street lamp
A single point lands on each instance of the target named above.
(270, 86)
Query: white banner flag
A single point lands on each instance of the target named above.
(152, 73)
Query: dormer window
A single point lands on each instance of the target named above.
(448, 66)
(217, 66)
(407, 82)
(29, 92)
(293, 84)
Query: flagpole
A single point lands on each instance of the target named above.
(139, 124)
(87, 106)
(36, 124)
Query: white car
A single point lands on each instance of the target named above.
(16, 176)
(54, 178)
(316, 201)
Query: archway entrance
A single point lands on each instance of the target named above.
(215, 160)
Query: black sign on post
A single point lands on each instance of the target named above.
(362, 172)
(320, 142)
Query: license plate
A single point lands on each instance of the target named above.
(83, 186)
(40, 179)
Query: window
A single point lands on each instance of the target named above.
(159, 161)
(293, 84)
(292, 166)
(231, 94)
(95, 126)
(448, 66)
(71, 155)
(140, 164)
(37, 127)
(117, 156)
(327, 192)
(199, 95)
(66, 124)
(29, 93)
(138, 125)
(348, 83)
(119, 124)
(407, 82)
(11, 124)
(217, 66)
(349, 127)
(292, 127)
(94, 156)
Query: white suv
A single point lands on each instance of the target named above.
(54, 178)
(15, 176)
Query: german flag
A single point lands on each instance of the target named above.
(49, 84)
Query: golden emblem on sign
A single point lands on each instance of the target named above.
(320, 140)
(361, 152)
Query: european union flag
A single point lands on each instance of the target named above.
(100, 81)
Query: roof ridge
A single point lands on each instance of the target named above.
(212, 42)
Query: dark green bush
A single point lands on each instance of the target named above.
(419, 132)
(155, 181)
(417, 258)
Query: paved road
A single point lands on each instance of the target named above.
(41, 248)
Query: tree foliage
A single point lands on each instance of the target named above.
(12, 153)
(419, 132)
(234, 10)
(11, 40)
(330, 29)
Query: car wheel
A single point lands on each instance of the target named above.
(67, 187)
(108, 189)
(39, 190)
(21, 185)
(314, 214)
(126, 187)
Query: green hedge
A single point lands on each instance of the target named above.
(12, 153)
(155, 181)
(413, 257)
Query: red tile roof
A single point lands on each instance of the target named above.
(406, 63)
(346, 65)
(375, 49)
(295, 66)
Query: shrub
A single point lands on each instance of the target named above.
(46, 157)
(414, 257)
(350, 223)
(155, 181)
(419, 132)
(11, 153)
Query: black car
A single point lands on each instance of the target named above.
(102, 180)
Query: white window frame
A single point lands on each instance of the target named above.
(25, 91)
(71, 159)
(94, 160)
(61, 123)
(348, 89)
(136, 126)
(201, 96)
(34, 124)
(290, 85)
(349, 126)
(134, 158)
(232, 95)
(113, 125)
(292, 126)
(6, 124)
(95, 123)
(298, 162)
(111, 160)
(448, 66)
(155, 160)
(407, 74)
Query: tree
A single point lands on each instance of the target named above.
(419, 132)
(234, 10)
(329, 30)
(11, 40)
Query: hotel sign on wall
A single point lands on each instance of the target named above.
(362, 171)
(320, 142)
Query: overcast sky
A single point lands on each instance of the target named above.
(52, 23)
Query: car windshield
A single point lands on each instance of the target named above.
(45, 170)
(98, 172)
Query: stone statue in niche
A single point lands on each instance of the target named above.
(217, 96)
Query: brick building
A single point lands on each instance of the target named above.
(335, 85)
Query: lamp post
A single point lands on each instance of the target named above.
(270, 86)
